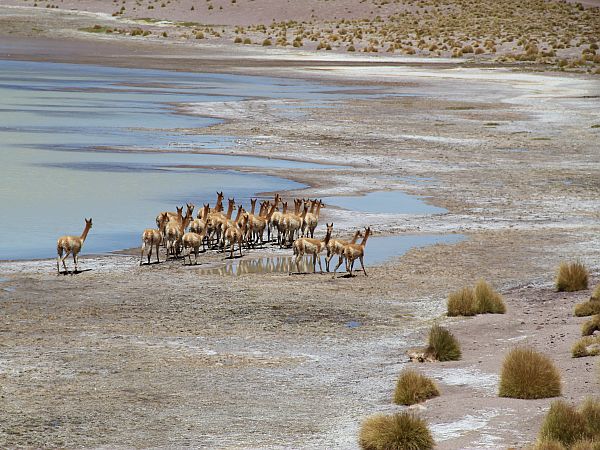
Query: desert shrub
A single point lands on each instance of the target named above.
(247, 41)
(487, 299)
(267, 42)
(394, 432)
(528, 374)
(442, 345)
(237, 40)
(590, 410)
(200, 35)
(462, 303)
(413, 387)
(591, 325)
(596, 293)
(571, 277)
(467, 49)
(587, 308)
(586, 346)
(563, 423)
(351, 48)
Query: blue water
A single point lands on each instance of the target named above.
(63, 129)
(377, 251)
(53, 117)
(382, 202)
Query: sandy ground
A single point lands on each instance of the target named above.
(163, 355)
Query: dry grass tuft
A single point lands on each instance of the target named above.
(482, 299)
(596, 293)
(590, 410)
(586, 444)
(592, 325)
(573, 428)
(488, 300)
(462, 303)
(564, 424)
(528, 374)
(588, 308)
(413, 387)
(442, 345)
(395, 432)
(571, 277)
(547, 445)
(586, 346)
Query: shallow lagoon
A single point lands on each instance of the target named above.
(52, 117)
(378, 251)
(55, 117)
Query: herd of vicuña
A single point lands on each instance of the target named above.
(214, 228)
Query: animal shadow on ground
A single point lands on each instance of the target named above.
(74, 272)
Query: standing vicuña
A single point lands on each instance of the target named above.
(336, 247)
(354, 251)
(153, 238)
(313, 247)
(71, 245)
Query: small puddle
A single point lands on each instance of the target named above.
(386, 202)
(378, 250)
(7, 288)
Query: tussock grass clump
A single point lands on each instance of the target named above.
(413, 387)
(596, 293)
(573, 428)
(488, 300)
(590, 410)
(588, 308)
(462, 303)
(592, 325)
(586, 444)
(442, 345)
(586, 346)
(482, 299)
(528, 374)
(547, 445)
(571, 277)
(394, 432)
(564, 424)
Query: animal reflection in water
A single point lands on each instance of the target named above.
(267, 264)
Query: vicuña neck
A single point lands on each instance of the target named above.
(86, 230)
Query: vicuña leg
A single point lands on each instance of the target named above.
(338, 266)
(363, 266)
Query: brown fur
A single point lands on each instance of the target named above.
(336, 247)
(353, 252)
(314, 247)
(71, 245)
(153, 238)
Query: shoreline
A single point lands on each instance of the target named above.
(231, 350)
